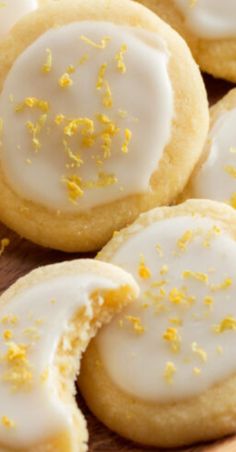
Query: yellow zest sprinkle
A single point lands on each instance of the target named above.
(125, 145)
(176, 321)
(102, 45)
(208, 301)
(16, 352)
(35, 130)
(7, 335)
(86, 124)
(169, 372)
(202, 277)
(184, 241)
(160, 283)
(47, 67)
(32, 332)
(136, 322)
(179, 296)
(120, 59)
(59, 119)
(71, 69)
(9, 320)
(227, 324)
(3, 244)
(231, 170)
(224, 285)
(65, 81)
(192, 3)
(33, 102)
(101, 76)
(107, 97)
(232, 150)
(143, 271)
(159, 250)
(75, 158)
(197, 371)
(219, 350)
(214, 231)
(164, 269)
(171, 335)
(122, 114)
(6, 422)
(73, 184)
(233, 201)
(199, 351)
(83, 59)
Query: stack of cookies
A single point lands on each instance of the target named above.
(106, 145)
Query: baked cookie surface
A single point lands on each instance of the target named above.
(99, 123)
(215, 175)
(46, 321)
(165, 375)
(209, 28)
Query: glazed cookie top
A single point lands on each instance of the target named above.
(179, 338)
(217, 177)
(12, 10)
(33, 324)
(82, 118)
(209, 19)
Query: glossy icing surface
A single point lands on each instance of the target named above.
(217, 177)
(179, 338)
(82, 117)
(210, 19)
(13, 10)
(31, 327)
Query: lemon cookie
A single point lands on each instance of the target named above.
(165, 373)
(46, 321)
(13, 10)
(98, 120)
(209, 28)
(215, 175)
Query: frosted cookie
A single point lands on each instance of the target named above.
(13, 10)
(165, 373)
(102, 117)
(46, 321)
(209, 28)
(215, 175)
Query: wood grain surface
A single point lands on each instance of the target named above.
(22, 256)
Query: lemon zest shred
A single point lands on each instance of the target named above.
(128, 138)
(136, 322)
(102, 45)
(119, 57)
(169, 372)
(47, 67)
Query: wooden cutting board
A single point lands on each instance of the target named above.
(22, 256)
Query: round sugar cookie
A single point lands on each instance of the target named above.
(215, 175)
(46, 321)
(165, 369)
(98, 121)
(208, 26)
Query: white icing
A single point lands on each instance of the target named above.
(210, 19)
(13, 10)
(136, 362)
(39, 413)
(214, 181)
(144, 91)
